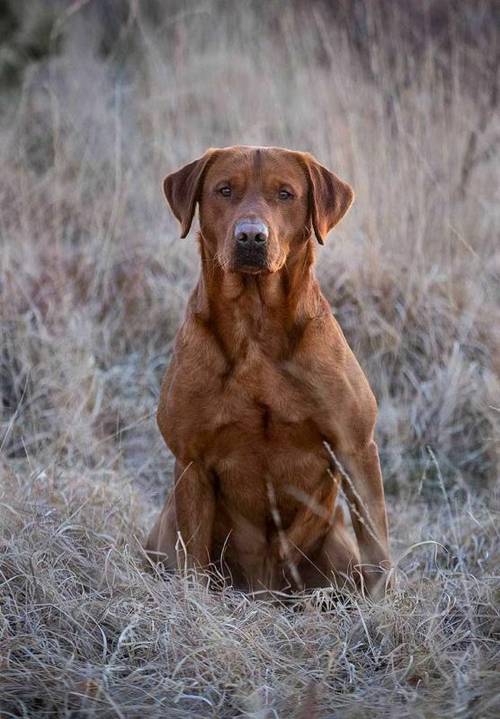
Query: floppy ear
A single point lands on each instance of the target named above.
(182, 190)
(329, 197)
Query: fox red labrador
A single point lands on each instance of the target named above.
(264, 405)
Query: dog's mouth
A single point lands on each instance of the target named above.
(251, 258)
(260, 265)
(251, 270)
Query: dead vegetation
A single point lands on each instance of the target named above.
(93, 281)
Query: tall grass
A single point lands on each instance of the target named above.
(93, 282)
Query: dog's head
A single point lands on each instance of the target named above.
(257, 205)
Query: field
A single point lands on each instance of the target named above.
(99, 101)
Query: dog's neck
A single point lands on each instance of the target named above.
(271, 309)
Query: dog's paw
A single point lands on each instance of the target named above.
(378, 580)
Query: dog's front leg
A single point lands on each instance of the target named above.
(182, 535)
(363, 486)
(310, 524)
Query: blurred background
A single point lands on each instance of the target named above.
(100, 99)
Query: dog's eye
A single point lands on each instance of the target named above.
(285, 195)
(224, 191)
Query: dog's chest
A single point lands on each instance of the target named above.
(258, 403)
(258, 392)
(256, 408)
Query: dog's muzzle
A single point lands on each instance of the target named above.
(250, 238)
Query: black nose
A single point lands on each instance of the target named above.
(251, 233)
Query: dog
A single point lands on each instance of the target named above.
(264, 405)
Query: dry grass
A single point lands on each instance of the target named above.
(93, 280)
(86, 632)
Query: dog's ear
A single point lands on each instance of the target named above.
(182, 189)
(329, 197)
